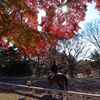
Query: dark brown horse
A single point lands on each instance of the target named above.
(59, 79)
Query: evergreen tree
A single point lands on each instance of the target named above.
(95, 60)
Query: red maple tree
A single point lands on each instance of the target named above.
(19, 22)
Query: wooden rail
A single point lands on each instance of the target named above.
(54, 90)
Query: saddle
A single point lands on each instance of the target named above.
(51, 75)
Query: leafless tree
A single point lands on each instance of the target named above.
(52, 55)
(91, 32)
(71, 49)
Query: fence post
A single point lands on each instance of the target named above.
(28, 83)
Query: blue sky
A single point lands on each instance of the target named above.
(91, 13)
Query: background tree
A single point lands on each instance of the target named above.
(91, 32)
(52, 55)
(95, 60)
(7, 55)
(82, 65)
(11, 65)
(19, 22)
(71, 50)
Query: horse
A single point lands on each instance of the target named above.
(59, 79)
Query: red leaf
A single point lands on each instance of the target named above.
(46, 50)
(7, 48)
(40, 57)
(2, 47)
(1, 42)
(71, 34)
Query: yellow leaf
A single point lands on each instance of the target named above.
(21, 10)
(1, 11)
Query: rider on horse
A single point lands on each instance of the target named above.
(54, 77)
(53, 69)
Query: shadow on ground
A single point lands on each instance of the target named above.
(45, 97)
(25, 96)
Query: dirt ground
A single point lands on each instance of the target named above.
(86, 85)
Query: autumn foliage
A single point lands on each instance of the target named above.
(87, 71)
(19, 22)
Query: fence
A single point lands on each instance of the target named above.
(69, 94)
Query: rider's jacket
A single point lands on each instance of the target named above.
(54, 68)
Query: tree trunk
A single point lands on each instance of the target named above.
(71, 67)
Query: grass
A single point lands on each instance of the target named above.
(10, 96)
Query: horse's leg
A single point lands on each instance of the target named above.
(50, 85)
(49, 92)
(62, 85)
(49, 88)
(60, 95)
(59, 85)
(61, 88)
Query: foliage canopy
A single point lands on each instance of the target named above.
(19, 22)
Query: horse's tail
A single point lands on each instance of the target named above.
(66, 81)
